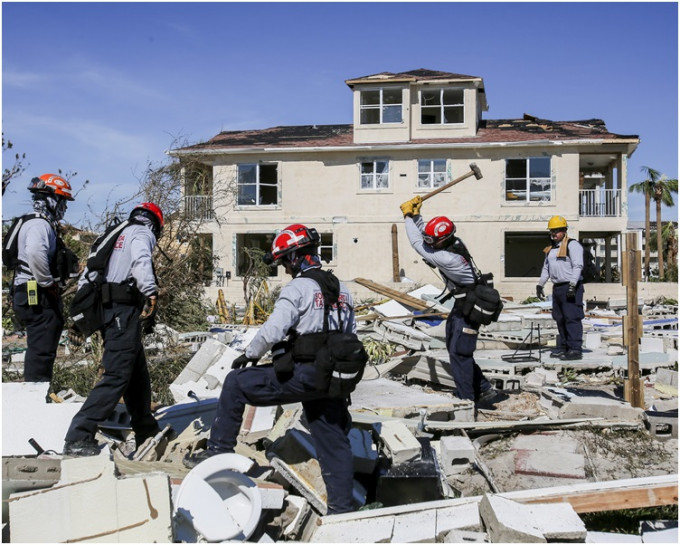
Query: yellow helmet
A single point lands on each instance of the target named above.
(557, 222)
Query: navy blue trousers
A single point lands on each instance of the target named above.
(461, 341)
(569, 316)
(125, 375)
(328, 419)
(44, 323)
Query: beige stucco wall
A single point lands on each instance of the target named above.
(323, 190)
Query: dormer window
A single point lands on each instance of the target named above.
(380, 106)
(442, 106)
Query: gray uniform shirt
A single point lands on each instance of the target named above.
(300, 307)
(566, 269)
(36, 245)
(131, 258)
(454, 267)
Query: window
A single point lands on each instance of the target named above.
(442, 106)
(375, 175)
(250, 247)
(326, 247)
(200, 257)
(524, 254)
(380, 106)
(528, 179)
(431, 173)
(258, 184)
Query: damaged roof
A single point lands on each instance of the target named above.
(528, 129)
(420, 74)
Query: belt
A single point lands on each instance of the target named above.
(559, 284)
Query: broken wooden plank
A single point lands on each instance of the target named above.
(607, 496)
(403, 298)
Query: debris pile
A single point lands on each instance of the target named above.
(561, 442)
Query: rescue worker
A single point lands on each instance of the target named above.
(131, 282)
(563, 265)
(437, 244)
(39, 267)
(298, 311)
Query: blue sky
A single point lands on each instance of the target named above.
(102, 88)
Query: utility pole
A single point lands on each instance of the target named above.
(395, 255)
(632, 322)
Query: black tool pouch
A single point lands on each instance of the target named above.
(87, 308)
(282, 358)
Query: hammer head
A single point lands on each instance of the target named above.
(475, 170)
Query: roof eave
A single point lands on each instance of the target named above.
(632, 144)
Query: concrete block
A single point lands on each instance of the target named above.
(563, 465)
(398, 443)
(565, 403)
(373, 530)
(667, 376)
(417, 527)
(457, 453)
(651, 344)
(26, 415)
(364, 451)
(273, 495)
(593, 340)
(135, 509)
(611, 537)
(662, 426)
(459, 517)
(558, 522)
(299, 509)
(508, 521)
(463, 536)
(534, 380)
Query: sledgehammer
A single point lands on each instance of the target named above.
(474, 171)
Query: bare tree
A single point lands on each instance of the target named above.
(17, 168)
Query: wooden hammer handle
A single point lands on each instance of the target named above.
(452, 183)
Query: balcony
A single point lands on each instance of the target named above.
(600, 203)
(198, 207)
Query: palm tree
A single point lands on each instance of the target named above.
(663, 190)
(647, 188)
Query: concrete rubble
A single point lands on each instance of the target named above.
(428, 466)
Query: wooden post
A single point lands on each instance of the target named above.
(395, 255)
(631, 323)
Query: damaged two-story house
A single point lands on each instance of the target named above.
(412, 132)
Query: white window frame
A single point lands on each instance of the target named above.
(428, 176)
(525, 195)
(374, 180)
(258, 184)
(442, 106)
(326, 245)
(381, 106)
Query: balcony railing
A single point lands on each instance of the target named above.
(198, 207)
(600, 202)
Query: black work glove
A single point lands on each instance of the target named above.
(147, 318)
(539, 292)
(571, 293)
(242, 361)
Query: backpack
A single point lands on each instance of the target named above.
(340, 358)
(87, 306)
(482, 304)
(10, 242)
(65, 263)
(590, 271)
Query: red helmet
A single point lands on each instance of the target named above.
(151, 211)
(292, 238)
(438, 229)
(51, 183)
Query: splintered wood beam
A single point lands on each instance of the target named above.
(398, 296)
(608, 496)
